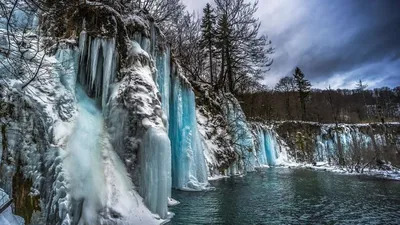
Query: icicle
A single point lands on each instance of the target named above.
(270, 148)
(153, 40)
(155, 155)
(164, 80)
(83, 54)
(189, 170)
(262, 157)
(108, 68)
(67, 57)
(94, 57)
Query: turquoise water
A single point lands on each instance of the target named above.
(292, 196)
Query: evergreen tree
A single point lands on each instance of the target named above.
(303, 86)
(208, 37)
(224, 45)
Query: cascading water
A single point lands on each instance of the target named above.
(98, 181)
(100, 189)
(83, 160)
(262, 153)
(268, 147)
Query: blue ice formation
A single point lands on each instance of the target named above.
(241, 133)
(267, 149)
(97, 66)
(261, 152)
(189, 170)
(163, 64)
(156, 171)
(343, 137)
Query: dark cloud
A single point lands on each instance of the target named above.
(334, 42)
(374, 40)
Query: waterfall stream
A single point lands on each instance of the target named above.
(100, 188)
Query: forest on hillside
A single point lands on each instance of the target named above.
(289, 101)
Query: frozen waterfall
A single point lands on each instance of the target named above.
(189, 170)
(97, 66)
(155, 158)
(347, 138)
(268, 147)
(261, 153)
(100, 188)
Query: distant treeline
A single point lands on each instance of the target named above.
(326, 106)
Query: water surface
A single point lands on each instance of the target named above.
(292, 196)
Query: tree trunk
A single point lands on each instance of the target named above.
(211, 63)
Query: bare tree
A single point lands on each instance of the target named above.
(286, 85)
(20, 47)
(185, 45)
(161, 10)
(243, 52)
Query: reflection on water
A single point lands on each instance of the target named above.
(285, 196)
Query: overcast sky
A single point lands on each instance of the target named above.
(334, 42)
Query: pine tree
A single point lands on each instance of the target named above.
(303, 87)
(208, 37)
(224, 46)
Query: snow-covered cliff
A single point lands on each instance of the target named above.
(105, 131)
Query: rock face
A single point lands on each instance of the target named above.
(213, 126)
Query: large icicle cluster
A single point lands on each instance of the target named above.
(348, 138)
(136, 124)
(97, 66)
(189, 170)
(271, 149)
(351, 145)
